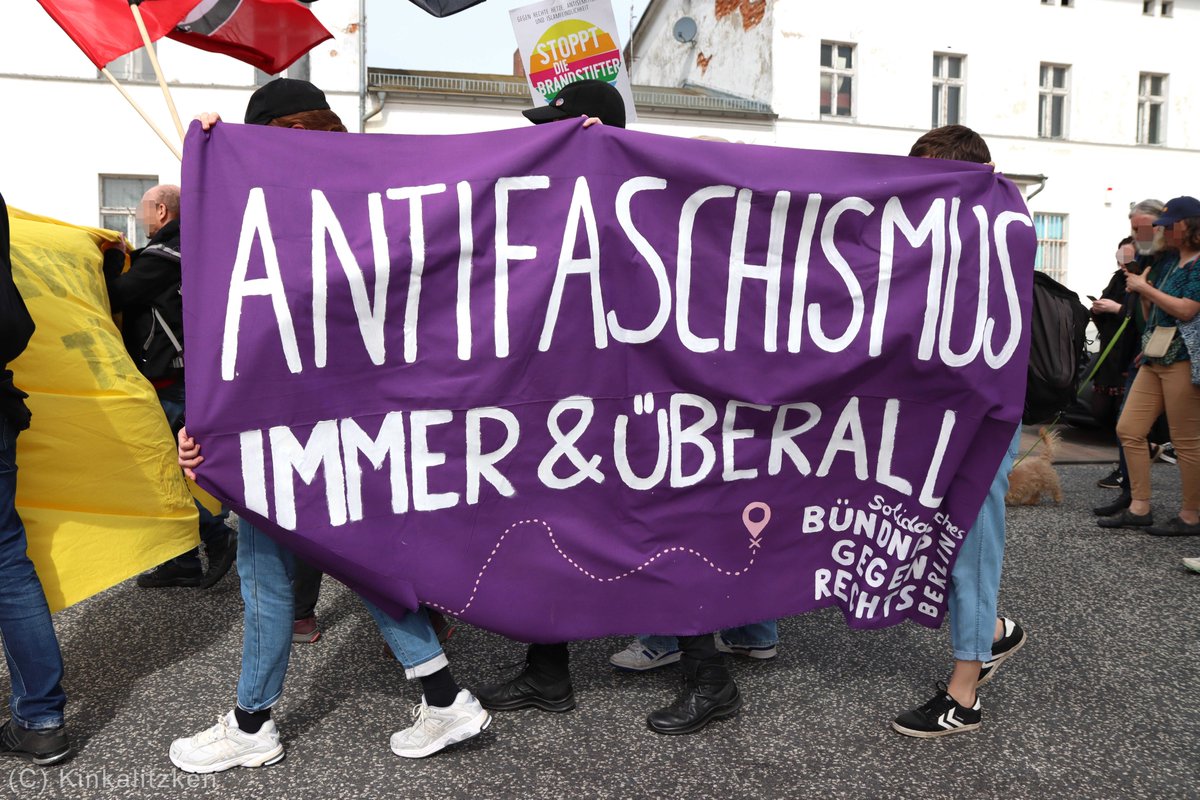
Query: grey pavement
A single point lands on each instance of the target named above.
(1101, 703)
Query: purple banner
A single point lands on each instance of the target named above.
(564, 383)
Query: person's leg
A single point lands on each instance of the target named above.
(448, 713)
(974, 590)
(1143, 405)
(544, 683)
(266, 572)
(708, 691)
(35, 665)
(981, 640)
(1181, 399)
(247, 736)
(306, 583)
(757, 641)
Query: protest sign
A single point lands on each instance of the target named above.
(564, 383)
(562, 41)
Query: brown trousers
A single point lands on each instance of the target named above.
(1155, 390)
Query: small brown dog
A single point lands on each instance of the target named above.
(1033, 477)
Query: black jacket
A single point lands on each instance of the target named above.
(16, 328)
(148, 295)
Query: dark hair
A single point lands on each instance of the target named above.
(321, 120)
(957, 142)
(1125, 241)
(1191, 233)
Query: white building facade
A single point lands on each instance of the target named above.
(1044, 81)
(1097, 96)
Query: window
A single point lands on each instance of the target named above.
(299, 70)
(837, 79)
(133, 66)
(1052, 245)
(1152, 103)
(120, 196)
(948, 86)
(1158, 8)
(1052, 101)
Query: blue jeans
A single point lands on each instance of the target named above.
(212, 527)
(760, 634)
(30, 646)
(975, 579)
(266, 571)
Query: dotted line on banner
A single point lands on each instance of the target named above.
(754, 543)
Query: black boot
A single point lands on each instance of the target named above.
(545, 683)
(1120, 504)
(708, 693)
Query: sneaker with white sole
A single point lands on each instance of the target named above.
(940, 716)
(761, 652)
(435, 728)
(1012, 640)
(225, 745)
(1192, 563)
(637, 657)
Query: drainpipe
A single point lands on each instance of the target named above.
(380, 97)
(362, 66)
(1041, 185)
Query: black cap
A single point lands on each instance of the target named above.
(585, 98)
(1179, 208)
(281, 97)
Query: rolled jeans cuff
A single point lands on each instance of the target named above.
(426, 668)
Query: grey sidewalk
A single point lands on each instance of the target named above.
(1102, 702)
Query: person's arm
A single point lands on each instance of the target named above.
(1181, 308)
(149, 274)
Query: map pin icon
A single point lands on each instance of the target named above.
(756, 527)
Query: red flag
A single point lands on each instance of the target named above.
(270, 34)
(105, 30)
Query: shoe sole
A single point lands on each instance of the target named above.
(724, 712)
(898, 728)
(758, 654)
(467, 731)
(556, 706)
(1191, 564)
(40, 760)
(306, 638)
(664, 661)
(999, 662)
(267, 759)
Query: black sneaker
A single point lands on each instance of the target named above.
(1175, 527)
(1111, 481)
(170, 574)
(221, 555)
(1120, 504)
(1167, 456)
(41, 747)
(1010, 642)
(940, 716)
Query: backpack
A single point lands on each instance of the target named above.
(1057, 349)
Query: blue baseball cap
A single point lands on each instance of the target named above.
(1178, 208)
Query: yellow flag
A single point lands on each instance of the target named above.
(98, 486)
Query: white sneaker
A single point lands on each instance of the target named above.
(746, 651)
(639, 658)
(1192, 563)
(435, 728)
(224, 745)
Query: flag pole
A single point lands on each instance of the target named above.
(170, 145)
(162, 82)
